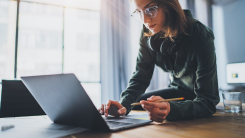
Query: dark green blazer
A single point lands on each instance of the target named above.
(194, 71)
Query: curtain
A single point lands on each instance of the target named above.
(115, 51)
(203, 11)
(191, 6)
(223, 2)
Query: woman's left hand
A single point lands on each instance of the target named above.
(157, 111)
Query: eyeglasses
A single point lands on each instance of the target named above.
(150, 12)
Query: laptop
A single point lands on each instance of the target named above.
(64, 100)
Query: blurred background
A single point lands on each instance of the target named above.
(98, 41)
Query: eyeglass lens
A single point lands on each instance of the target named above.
(150, 12)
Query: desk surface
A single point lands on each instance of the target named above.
(221, 124)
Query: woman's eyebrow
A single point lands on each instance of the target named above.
(148, 4)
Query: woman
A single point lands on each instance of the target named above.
(180, 45)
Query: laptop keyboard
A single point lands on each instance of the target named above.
(112, 124)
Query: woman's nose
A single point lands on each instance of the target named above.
(146, 19)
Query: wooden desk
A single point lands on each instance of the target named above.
(220, 125)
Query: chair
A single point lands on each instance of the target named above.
(16, 100)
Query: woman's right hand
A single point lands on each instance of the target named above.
(113, 108)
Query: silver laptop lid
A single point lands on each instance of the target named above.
(64, 100)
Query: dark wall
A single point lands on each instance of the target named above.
(234, 23)
(229, 30)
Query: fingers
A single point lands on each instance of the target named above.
(158, 115)
(108, 104)
(122, 111)
(117, 106)
(154, 98)
(106, 107)
(152, 105)
(156, 111)
(159, 120)
(101, 109)
(149, 104)
(116, 103)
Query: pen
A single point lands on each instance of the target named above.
(7, 127)
(165, 100)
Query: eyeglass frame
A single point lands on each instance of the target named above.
(156, 7)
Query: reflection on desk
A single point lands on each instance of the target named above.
(36, 127)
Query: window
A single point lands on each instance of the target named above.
(7, 38)
(40, 39)
(82, 35)
(53, 37)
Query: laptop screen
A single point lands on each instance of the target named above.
(235, 73)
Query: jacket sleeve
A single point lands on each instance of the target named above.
(205, 87)
(140, 79)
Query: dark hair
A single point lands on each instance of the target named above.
(176, 21)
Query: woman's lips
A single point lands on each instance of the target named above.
(152, 26)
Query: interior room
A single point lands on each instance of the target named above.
(99, 42)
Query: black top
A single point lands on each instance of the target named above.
(165, 46)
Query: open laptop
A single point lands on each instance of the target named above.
(64, 100)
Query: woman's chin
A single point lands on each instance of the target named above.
(155, 31)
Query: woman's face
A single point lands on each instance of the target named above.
(154, 24)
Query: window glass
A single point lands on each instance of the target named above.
(183, 4)
(7, 38)
(93, 91)
(40, 39)
(81, 4)
(82, 41)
